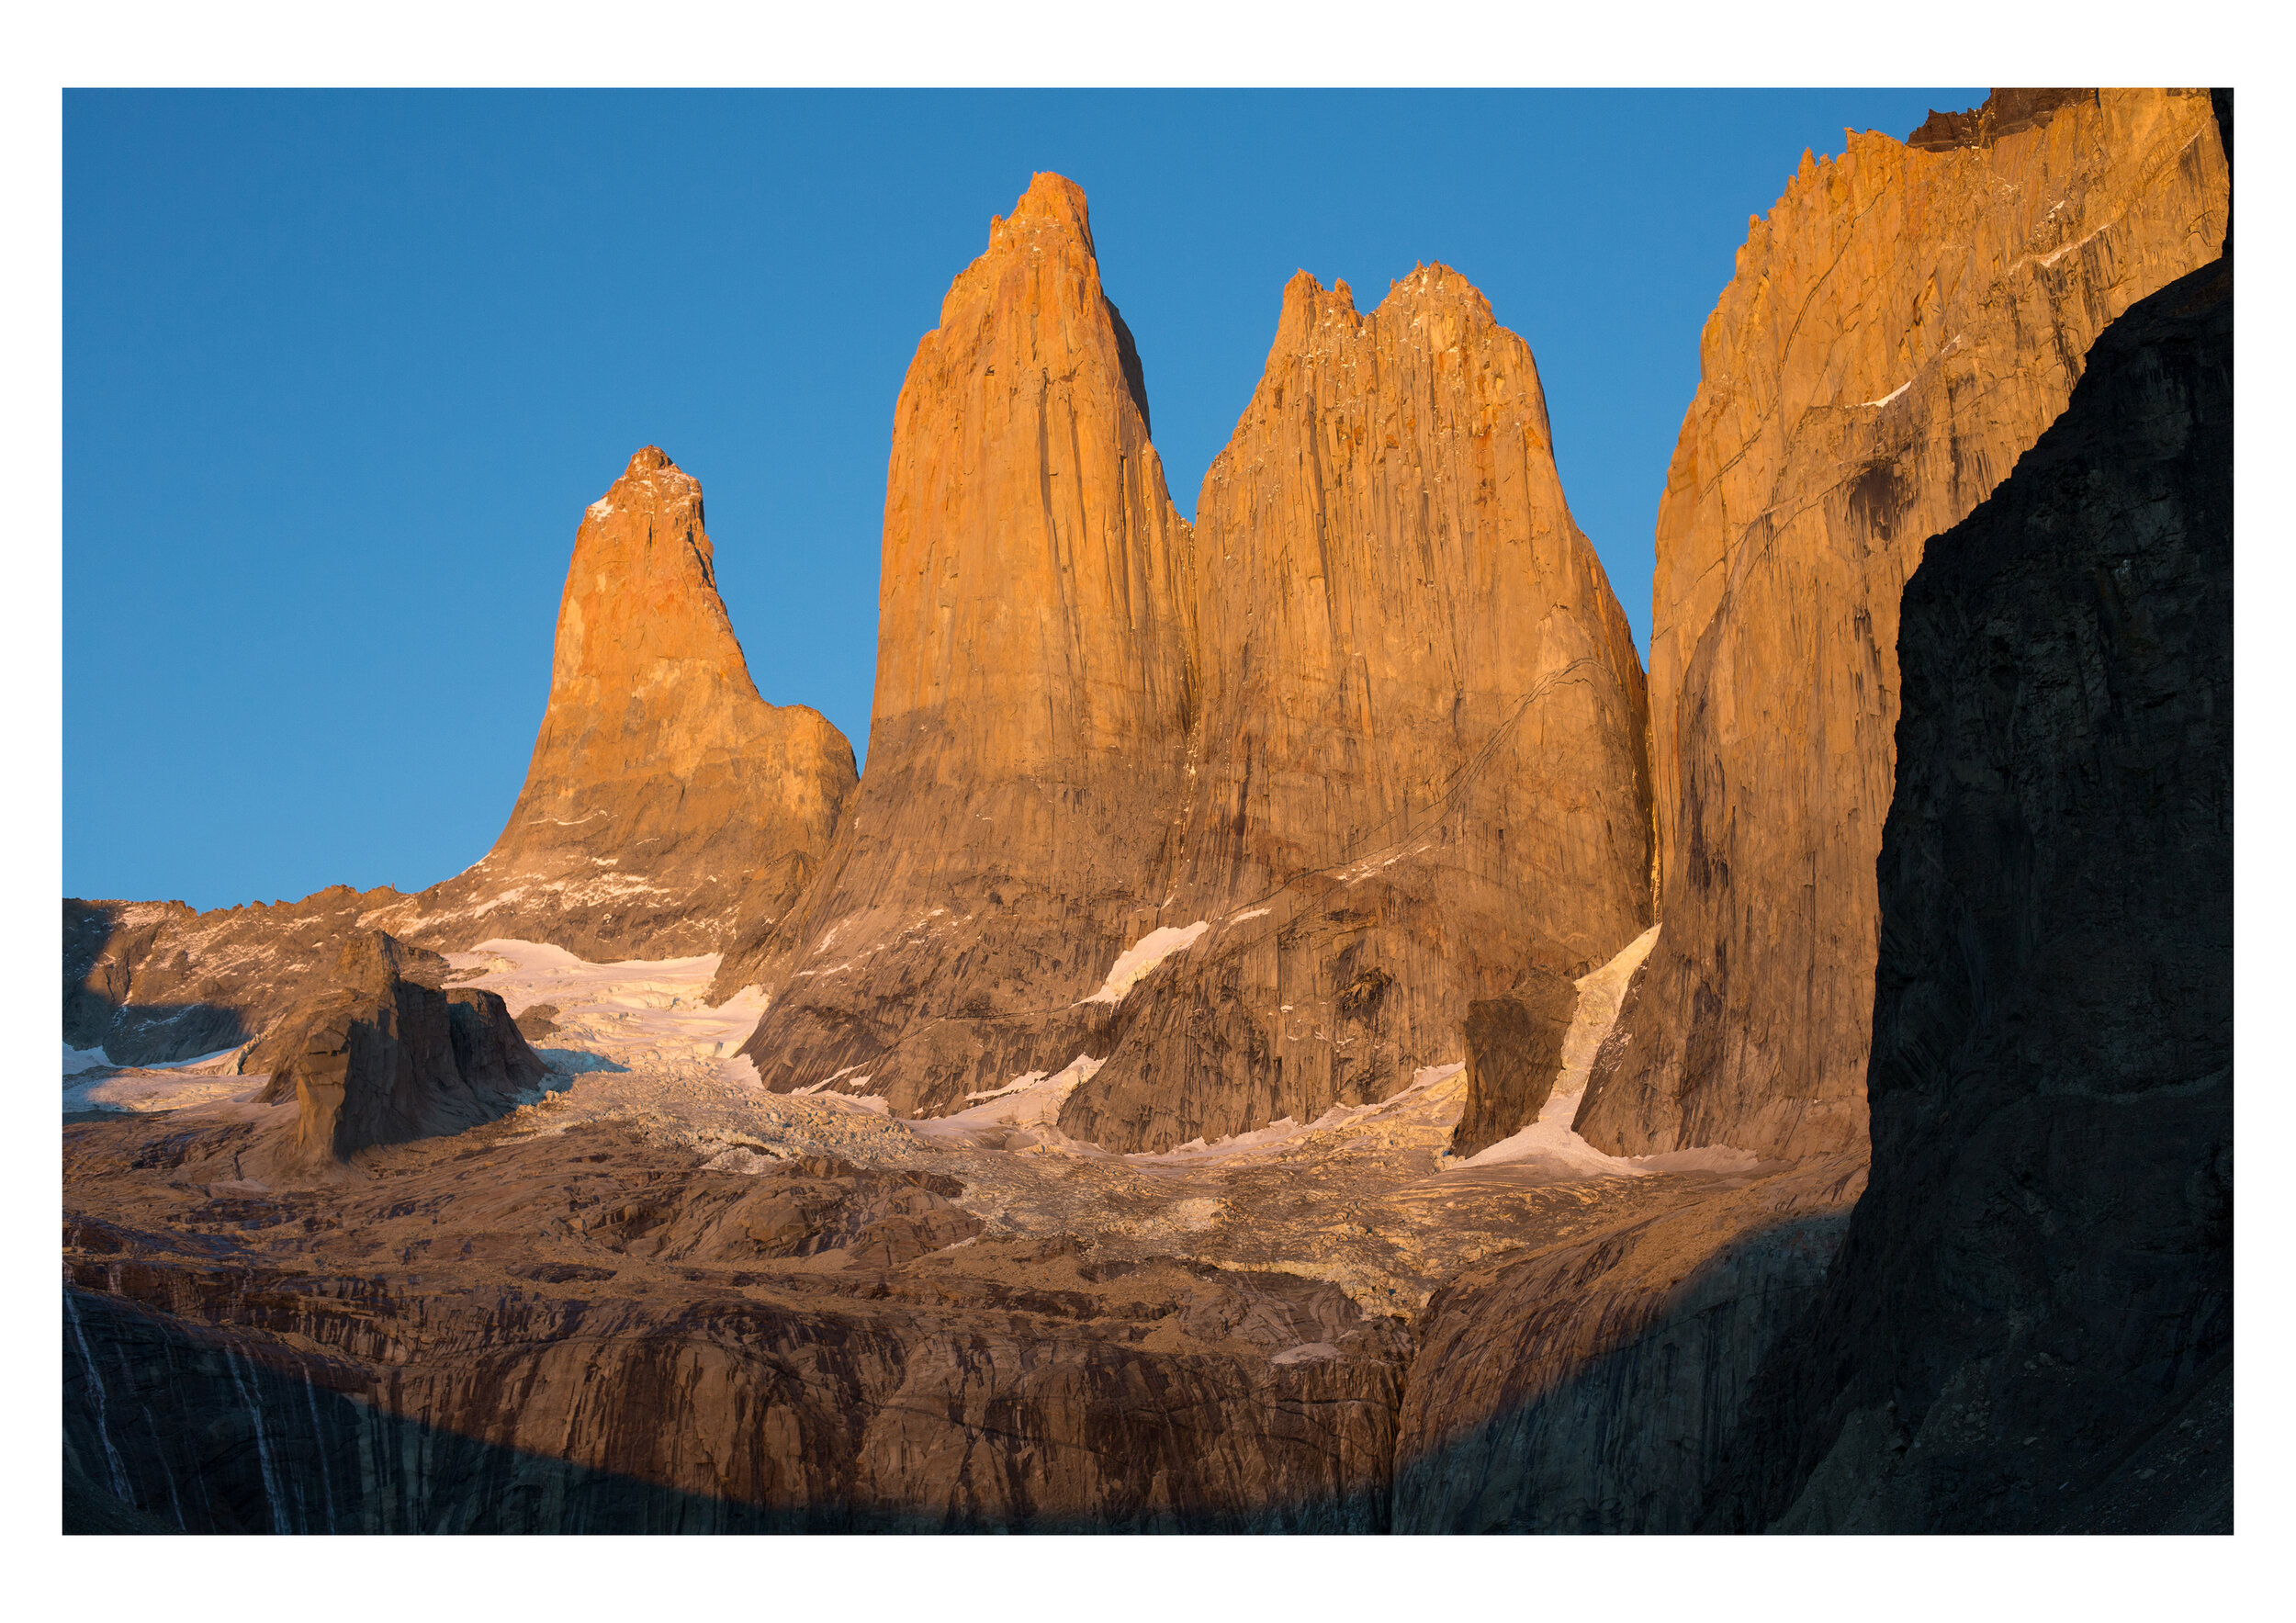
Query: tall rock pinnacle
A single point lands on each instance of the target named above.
(1420, 770)
(667, 804)
(668, 809)
(1902, 326)
(1033, 691)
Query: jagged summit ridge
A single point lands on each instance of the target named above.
(1418, 774)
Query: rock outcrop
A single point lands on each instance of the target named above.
(1034, 692)
(668, 808)
(1419, 769)
(155, 982)
(1905, 322)
(1514, 1055)
(385, 1056)
(2030, 1327)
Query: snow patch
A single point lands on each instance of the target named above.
(1249, 913)
(1032, 1100)
(1551, 1141)
(1136, 961)
(76, 1060)
(171, 1090)
(1892, 395)
(1306, 1353)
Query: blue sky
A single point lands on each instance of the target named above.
(340, 372)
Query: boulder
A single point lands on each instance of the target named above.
(379, 1058)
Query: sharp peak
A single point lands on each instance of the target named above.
(1051, 202)
(651, 465)
(1430, 281)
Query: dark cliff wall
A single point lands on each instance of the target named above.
(2030, 1325)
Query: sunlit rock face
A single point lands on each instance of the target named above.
(668, 806)
(1902, 325)
(1369, 739)
(667, 809)
(1035, 687)
(1419, 773)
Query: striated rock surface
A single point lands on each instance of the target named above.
(2030, 1327)
(668, 808)
(1596, 1386)
(1902, 325)
(1034, 692)
(1420, 764)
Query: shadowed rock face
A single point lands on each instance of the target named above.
(1034, 692)
(1901, 327)
(2030, 1327)
(668, 808)
(153, 982)
(1420, 765)
(381, 1058)
(1598, 1387)
(1513, 1052)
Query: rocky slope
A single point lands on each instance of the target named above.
(1598, 1386)
(668, 809)
(660, 1297)
(1418, 773)
(2029, 1328)
(1034, 690)
(156, 982)
(1902, 324)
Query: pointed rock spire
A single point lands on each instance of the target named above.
(1034, 689)
(667, 806)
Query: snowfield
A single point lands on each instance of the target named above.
(640, 1012)
(641, 1035)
